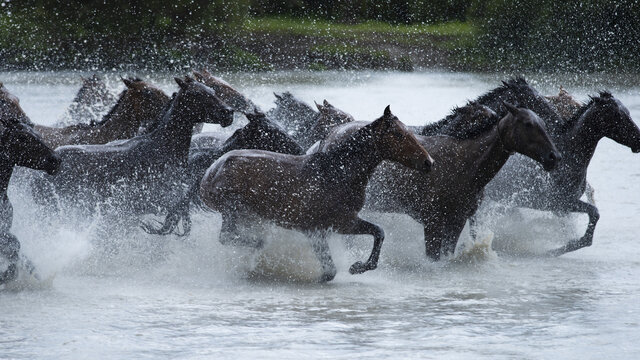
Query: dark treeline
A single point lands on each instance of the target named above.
(567, 35)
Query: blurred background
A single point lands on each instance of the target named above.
(225, 35)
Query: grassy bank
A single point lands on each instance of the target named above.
(251, 44)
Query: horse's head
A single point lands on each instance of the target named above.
(142, 100)
(522, 131)
(260, 133)
(202, 103)
(608, 117)
(399, 144)
(520, 92)
(331, 115)
(10, 107)
(21, 145)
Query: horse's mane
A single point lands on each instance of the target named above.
(602, 96)
(458, 123)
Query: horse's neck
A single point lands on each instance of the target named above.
(578, 146)
(174, 132)
(354, 161)
(489, 156)
(122, 122)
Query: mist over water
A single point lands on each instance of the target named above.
(117, 292)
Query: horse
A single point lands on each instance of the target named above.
(140, 102)
(311, 193)
(138, 175)
(564, 103)
(260, 134)
(328, 117)
(464, 163)
(19, 146)
(519, 184)
(293, 114)
(227, 93)
(91, 101)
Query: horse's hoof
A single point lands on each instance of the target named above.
(328, 276)
(359, 267)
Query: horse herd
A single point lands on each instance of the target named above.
(313, 171)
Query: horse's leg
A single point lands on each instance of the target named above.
(321, 250)
(587, 238)
(229, 234)
(9, 248)
(359, 227)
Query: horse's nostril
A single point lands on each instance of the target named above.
(552, 156)
(427, 165)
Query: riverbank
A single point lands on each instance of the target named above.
(260, 44)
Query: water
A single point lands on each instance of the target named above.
(120, 293)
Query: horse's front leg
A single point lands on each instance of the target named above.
(321, 250)
(230, 234)
(359, 227)
(587, 238)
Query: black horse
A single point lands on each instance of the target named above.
(21, 146)
(522, 183)
(142, 174)
(260, 133)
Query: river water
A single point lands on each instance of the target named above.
(116, 292)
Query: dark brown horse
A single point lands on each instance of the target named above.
(92, 100)
(141, 174)
(443, 200)
(19, 146)
(312, 193)
(139, 103)
(522, 184)
(259, 134)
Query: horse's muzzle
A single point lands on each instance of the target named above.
(52, 164)
(551, 160)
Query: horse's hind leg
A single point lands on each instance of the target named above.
(360, 226)
(587, 239)
(321, 249)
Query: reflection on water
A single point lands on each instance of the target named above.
(120, 293)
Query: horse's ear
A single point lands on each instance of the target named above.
(512, 109)
(326, 103)
(387, 111)
(183, 85)
(278, 96)
(198, 75)
(127, 82)
(320, 107)
(205, 72)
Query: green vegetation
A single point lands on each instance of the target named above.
(548, 35)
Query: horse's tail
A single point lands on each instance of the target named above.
(177, 214)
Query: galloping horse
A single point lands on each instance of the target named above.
(464, 163)
(312, 193)
(21, 146)
(259, 134)
(519, 184)
(139, 103)
(135, 173)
